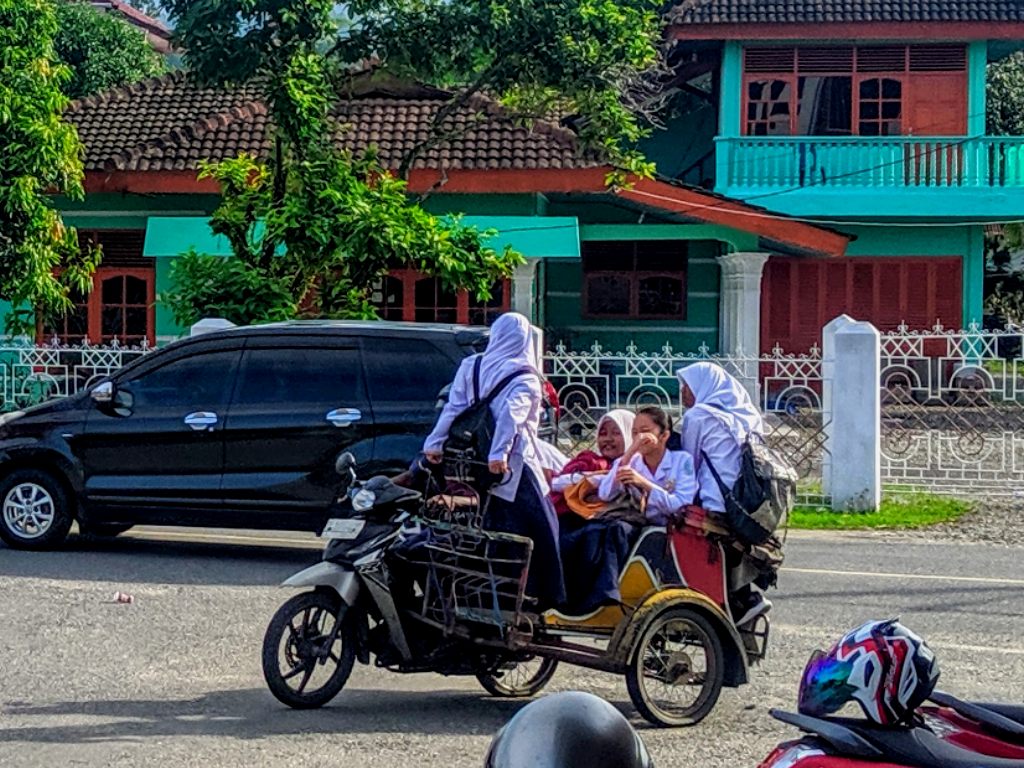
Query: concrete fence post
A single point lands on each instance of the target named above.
(852, 409)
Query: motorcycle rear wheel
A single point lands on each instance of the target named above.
(304, 636)
(519, 679)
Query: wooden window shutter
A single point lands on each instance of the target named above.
(938, 58)
(769, 60)
(825, 59)
(889, 58)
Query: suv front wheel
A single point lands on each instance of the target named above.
(35, 511)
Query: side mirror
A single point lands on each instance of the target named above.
(103, 394)
(344, 464)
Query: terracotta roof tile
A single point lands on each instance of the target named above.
(844, 11)
(168, 123)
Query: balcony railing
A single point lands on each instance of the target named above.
(756, 162)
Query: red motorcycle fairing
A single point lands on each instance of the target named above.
(807, 753)
(968, 734)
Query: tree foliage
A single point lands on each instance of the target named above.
(101, 49)
(330, 224)
(40, 262)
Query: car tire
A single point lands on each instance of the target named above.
(35, 510)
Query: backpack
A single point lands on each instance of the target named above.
(472, 431)
(763, 494)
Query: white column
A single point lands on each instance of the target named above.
(739, 323)
(739, 313)
(852, 412)
(524, 289)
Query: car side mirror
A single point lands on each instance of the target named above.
(344, 463)
(103, 394)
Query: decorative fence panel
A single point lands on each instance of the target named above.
(787, 388)
(31, 374)
(953, 411)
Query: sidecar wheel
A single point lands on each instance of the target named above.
(677, 672)
(519, 678)
(303, 667)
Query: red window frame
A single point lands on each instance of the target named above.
(633, 274)
(122, 259)
(465, 309)
(913, 74)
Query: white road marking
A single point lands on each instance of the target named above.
(805, 631)
(916, 576)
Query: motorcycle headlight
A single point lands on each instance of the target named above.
(363, 500)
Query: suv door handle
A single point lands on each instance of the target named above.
(343, 417)
(201, 420)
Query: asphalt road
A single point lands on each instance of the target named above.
(174, 679)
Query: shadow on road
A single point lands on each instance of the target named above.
(255, 714)
(147, 561)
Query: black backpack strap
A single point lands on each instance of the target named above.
(505, 382)
(718, 478)
(476, 378)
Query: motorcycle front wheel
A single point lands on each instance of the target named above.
(518, 679)
(308, 650)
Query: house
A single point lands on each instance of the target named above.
(645, 263)
(867, 116)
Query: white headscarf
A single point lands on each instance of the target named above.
(622, 419)
(724, 396)
(510, 348)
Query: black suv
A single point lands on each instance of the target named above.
(236, 428)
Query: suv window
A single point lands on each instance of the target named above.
(406, 370)
(197, 381)
(299, 377)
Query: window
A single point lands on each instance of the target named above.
(405, 370)
(120, 304)
(198, 382)
(409, 295)
(847, 90)
(290, 378)
(635, 280)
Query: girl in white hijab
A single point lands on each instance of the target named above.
(519, 504)
(719, 417)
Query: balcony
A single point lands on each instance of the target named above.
(945, 177)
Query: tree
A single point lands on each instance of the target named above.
(311, 211)
(40, 262)
(101, 49)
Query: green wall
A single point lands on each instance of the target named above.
(563, 310)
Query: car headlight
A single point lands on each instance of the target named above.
(363, 500)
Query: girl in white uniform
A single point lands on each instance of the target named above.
(719, 417)
(648, 468)
(519, 504)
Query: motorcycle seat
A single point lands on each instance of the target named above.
(912, 747)
(1004, 719)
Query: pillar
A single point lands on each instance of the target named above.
(852, 413)
(524, 289)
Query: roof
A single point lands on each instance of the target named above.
(169, 123)
(464, 334)
(157, 33)
(845, 11)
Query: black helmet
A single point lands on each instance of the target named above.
(566, 730)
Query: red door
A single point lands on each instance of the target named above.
(799, 296)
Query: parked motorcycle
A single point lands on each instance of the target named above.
(891, 674)
(351, 611)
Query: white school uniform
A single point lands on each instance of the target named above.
(674, 479)
(516, 410)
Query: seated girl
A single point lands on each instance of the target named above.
(665, 480)
(658, 481)
(614, 428)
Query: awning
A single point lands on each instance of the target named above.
(556, 237)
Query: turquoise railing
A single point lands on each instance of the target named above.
(754, 162)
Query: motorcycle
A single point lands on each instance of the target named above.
(950, 733)
(415, 582)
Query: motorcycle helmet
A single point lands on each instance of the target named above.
(568, 730)
(883, 666)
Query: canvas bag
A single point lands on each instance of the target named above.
(762, 496)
